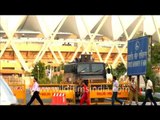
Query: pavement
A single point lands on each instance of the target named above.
(147, 103)
(108, 100)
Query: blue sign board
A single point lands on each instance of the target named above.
(137, 56)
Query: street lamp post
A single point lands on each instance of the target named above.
(51, 74)
(38, 72)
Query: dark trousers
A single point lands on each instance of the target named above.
(149, 95)
(114, 97)
(35, 96)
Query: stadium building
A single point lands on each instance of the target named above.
(25, 40)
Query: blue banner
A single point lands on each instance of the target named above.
(137, 56)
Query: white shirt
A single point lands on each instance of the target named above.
(149, 84)
(115, 86)
(109, 77)
(35, 87)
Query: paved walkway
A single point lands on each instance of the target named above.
(140, 103)
(107, 100)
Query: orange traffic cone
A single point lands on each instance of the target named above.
(54, 99)
(63, 99)
(59, 99)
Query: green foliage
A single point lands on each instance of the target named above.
(119, 70)
(62, 66)
(113, 71)
(44, 80)
(155, 63)
(39, 72)
(54, 79)
(155, 57)
(58, 68)
(59, 78)
(150, 72)
(157, 89)
(48, 67)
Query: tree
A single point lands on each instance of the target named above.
(155, 54)
(154, 63)
(59, 78)
(119, 70)
(151, 73)
(39, 71)
(61, 66)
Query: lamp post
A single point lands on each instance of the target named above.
(52, 69)
(38, 71)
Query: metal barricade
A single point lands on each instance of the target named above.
(19, 90)
(47, 91)
(101, 93)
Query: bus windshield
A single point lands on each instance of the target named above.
(90, 67)
(83, 68)
(97, 67)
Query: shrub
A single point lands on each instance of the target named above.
(157, 89)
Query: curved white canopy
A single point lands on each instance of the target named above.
(110, 26)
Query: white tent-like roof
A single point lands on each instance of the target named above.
(112, 27)
(90, 32)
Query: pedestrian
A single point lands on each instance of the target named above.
(109, 76)
(149, 91)
(115, 91)
(133, 92)
(35, 91)
(85, 94)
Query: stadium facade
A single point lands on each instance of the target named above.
(25, 40)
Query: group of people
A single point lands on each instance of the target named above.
(133, 92)
(34, 90)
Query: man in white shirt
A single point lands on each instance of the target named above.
(109, 76)
(115, 91)
(149, 90)
(35, 89)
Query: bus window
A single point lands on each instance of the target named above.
(83, 68)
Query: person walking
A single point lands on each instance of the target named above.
(133, 91)
(149, 91)
(109, 76)
(85, 95)
(115, 91)
(35, 91)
